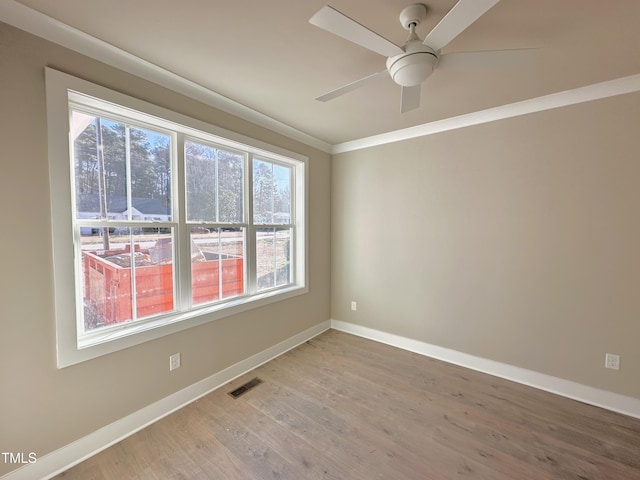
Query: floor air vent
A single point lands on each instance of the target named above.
(245, 388)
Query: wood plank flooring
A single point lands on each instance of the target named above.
(343, 407)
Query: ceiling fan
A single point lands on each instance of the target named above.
(411, 64)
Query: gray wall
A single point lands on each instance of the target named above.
(515, 241)
(42, 408)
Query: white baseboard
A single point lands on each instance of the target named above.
(64, 458)
(566, 388)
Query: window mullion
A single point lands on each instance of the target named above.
(251, 229)
(102, 187)
(182, 250)
(292, 230)
(272, 194)
(220, 284)
(127, 153)
(132, 244)
(217, 185)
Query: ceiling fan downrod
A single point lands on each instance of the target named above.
(418, 61)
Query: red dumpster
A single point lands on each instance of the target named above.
(107, 284)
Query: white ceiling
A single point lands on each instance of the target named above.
(266, 56)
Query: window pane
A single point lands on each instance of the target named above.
(263, 191)
(271, 193)
(230, 187)
(150, 175)
(214, 179)
(273, 260)
(107, 274)
(154, 271)
(100, 166)
(282, 194)
(200, 163)
(217, 263)
(102, 148)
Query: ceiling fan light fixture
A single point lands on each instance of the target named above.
(411, 64)
(412, 69)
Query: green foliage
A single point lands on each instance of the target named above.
(271, 195)
(149, 163)
(214, 180)
(214, 176)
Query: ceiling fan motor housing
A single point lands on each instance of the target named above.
(414, 66)
(413, 15)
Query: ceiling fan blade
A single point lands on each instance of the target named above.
(486, 59)
(410, 98)
(463, 14)
(331, 20)
(351, 86)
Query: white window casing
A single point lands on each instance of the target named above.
(74, 342)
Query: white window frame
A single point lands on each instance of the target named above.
(61, 89)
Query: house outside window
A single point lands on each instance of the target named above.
(173, 222)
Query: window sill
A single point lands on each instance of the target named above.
(117, 338)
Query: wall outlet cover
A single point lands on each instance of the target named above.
(174, 361)
(612, 361)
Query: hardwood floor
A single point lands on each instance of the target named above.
(343, 407)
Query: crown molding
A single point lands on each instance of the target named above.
(596, 91)
(41, 25)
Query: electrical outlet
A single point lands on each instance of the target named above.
(612, 361)
(354, 306)
(174, 361)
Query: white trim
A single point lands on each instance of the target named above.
(566, 388)
(71, 348)
(610, 88)
(64, 458)
(41, 25)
